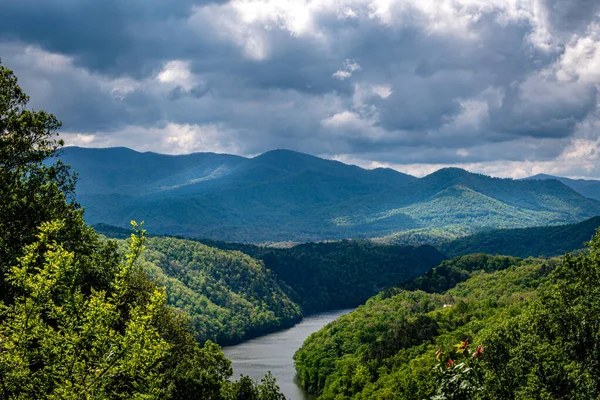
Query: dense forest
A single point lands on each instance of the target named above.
(227, 295)
(509, 329)
(318, 276)
(542, 241)
(325, 276)
(78, 319)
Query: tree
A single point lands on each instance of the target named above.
(551, 350)
(77, 319)
(36, 188)
(60, 343)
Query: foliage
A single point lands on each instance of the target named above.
(451, 272)
(540, 241)
(227, 295)
(459, 374)
(59, 343)
(552, 348)
(324, 276)
(533, 325)
(432, 236)
(386, 348)
(34, 192)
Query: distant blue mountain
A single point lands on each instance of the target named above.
(587, 187)
(285, 195)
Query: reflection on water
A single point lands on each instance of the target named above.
(274, 353)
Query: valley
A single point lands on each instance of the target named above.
(371, 317)
(300, 200)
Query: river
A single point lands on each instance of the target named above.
(274, 353)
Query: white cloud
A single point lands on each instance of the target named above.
(177, 72)
(171, 138)
(383, 91)
(350, 66)
(344, 119)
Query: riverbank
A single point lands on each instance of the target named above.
(274, 352)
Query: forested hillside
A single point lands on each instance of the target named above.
(325, 276)
(516, 329)
(78, 318)
(540, 241)
(318, 276)
(227, 295)
(587, 187)
(289, 196)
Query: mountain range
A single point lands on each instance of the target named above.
(587, 187)
(284, 195)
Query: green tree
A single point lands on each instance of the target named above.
(552, 349)
(36, 190)
(60, 343)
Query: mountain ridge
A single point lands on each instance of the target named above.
(285, 195)
(587, 187)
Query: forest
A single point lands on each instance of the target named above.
(477, 327)
(333, 275)
(78, 317)
(544, 241)
(222, 285)
(227, 295)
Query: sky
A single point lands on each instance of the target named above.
(502, 87)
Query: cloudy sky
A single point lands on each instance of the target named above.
(503, 87)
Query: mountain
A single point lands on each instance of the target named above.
(284, 195)
(544, 241)
(451, 197)
(587, 187)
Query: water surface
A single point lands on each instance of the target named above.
(274, 353)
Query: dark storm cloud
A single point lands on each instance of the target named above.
(110, 36)
(398, 82)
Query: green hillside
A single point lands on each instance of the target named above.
(227, 295)
(587, 187)
(544, 241)
(492, 328)
(394, 336)
(318, 276)
(453, 197)
(288, 196)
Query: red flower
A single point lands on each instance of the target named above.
(449, 363)
(479, 352)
